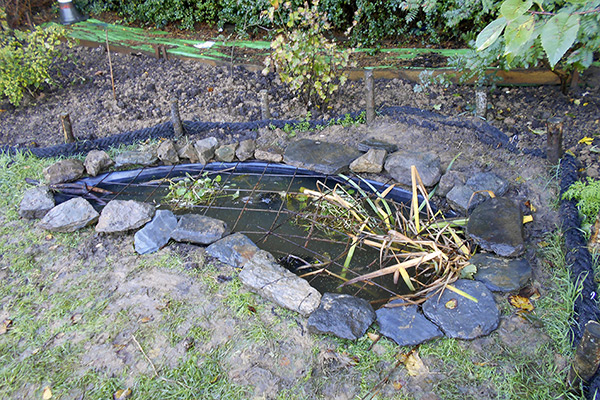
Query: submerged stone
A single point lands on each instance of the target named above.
(69, 216)
(497, 225)
(462, 318)
(405, 325)
(501, 274)
(263, 275)
(235, 249)
(326, 158)
(64, 171)
(124, 215)
(428, 166)
(199, 229)
(156, 233)
(342, 315)
(36, 202)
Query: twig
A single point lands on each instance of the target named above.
(112, 77)
(162, 378)
(144, 353)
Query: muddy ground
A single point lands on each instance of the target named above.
(178, 323)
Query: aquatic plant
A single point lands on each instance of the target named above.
(191, 191)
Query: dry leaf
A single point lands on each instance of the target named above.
(414, 365)
(47, 393)
(530, 292)
(586, 140)
(451, 304)
(373, 336)
(49, 237)
(122, 394)
(522, 303)
(75, 318)
(145, 319)
(527, 218)
(397, 385)
(5, 326)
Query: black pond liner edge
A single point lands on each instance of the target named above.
(577, 258)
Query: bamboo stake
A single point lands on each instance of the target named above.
(112, 77)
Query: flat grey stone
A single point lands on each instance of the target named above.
(326, 158)
(428, 166)
(130, 158)
(64, 171)
(69, 216)
(488, 181)
(448, 181)
(269, 154)
(463, 199)
(461, 318)
(36, 202)
(370, 162)
(497, 225)
(156, 233)
(405, 325)
(342, 315)
(226, 153)
(376, 144)
(205, 149)
(97, 161)
(124, 215)
(167, 153)
(235, 249)
(263, 275)
(245, 149)
(501, 274)
(199, 229)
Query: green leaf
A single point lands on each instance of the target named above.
(512, 9)
(518, 33)
(558, 35)
(490, 34)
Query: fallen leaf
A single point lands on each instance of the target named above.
(520, 302)
(47, 393)
(414, 365)
(586, 140)
(98, 73)
(252, 309)
(451, 304)
(122, 394)
(529, 205)
(397, 385)
(538, 131)
(49, 236)
(145, 320)
(530, 292)
(75, 318)
(468, 271)
(527, 218)
(5, 326)
(373, 336)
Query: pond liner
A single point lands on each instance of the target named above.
(397, 194)
(579, 261)
(485, 132)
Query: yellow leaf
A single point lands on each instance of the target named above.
(527, 218)
(451, 304)
(122, 394)
(414, 365)
(47, 393)
(522, 303)
(586, 140)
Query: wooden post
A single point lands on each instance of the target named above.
(587, 355)
(554, 149)
(65, 120)
(481, 101)
(264, 105)
(176, 119)
(370, 96)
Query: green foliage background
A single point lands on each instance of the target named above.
(403, 20)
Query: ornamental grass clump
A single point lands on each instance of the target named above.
(420, 248)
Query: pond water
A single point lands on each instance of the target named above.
(268, 203)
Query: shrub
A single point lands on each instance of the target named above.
(26, 59)
(305, 59)
(561, 35)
